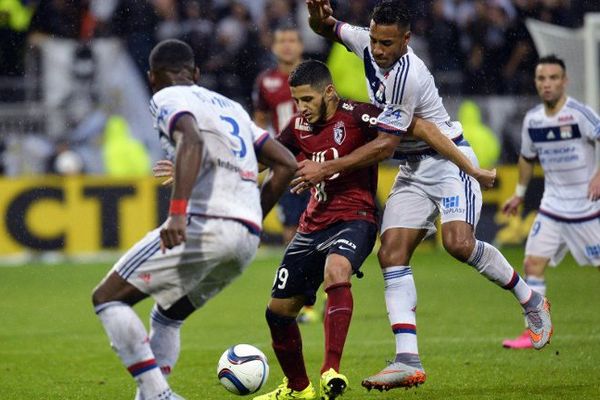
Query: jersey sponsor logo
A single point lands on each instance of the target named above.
(566, 132)
(302, 125)
(339, 132)
(272, 84)
(566, 118)
(347, 106)
(535, 122)
(369, 119)
(554, 133)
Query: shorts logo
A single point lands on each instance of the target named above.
(535, 229)
(450, 202)
(593, 251)
(339, 132)
(344, 244)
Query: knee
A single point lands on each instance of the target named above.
(98, 297)
(389, 256)
(337, 275)
(533, 267)
(459, 246)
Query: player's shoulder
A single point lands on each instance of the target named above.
(583, 110)
(360, 111)
(535, 111)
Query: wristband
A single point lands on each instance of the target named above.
(520, 190)
(178, 207)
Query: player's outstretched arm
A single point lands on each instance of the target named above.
(511, 205)
(282, 165)
(188, 158)
(310, 173)
(320, 19)
(432, 135)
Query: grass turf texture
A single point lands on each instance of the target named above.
(52, 346)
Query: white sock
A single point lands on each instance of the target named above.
(537, 284)
(401, 302)
(164, 340)
(491, 263)
(129, 339)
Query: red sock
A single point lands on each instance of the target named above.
(287, 344)
(338, 313)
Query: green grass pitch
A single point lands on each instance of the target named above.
(53, 347)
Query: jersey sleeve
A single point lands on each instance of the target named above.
(366, 114)
(399, 112)
(527, 148)
(591, 122)
(355, 38)
(287, 138)
(166, 108)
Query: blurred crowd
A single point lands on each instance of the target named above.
(473, 47)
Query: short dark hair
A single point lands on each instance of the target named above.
(172, 55)
(390, 12)
(552, 59)
(311, 72)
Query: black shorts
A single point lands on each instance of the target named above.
(302, 268)
(291, 207)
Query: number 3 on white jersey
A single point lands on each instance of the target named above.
(235, 131)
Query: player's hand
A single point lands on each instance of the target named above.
(511, 205)
(319, 9)
(173, 232)
(485, 177)
(594, 188)
(164, 168)
(313, 172)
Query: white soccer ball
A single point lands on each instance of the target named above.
(243, 369)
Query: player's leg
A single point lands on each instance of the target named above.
(460, 207)
(112, 301)
(350, 246)
(534, 268)
(291, 207)
(397, 247)
(294, 286)
(287, 344)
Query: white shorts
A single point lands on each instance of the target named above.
(424, 189)
(549, 238)
(215, 253)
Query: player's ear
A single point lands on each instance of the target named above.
(196, 74)
(151, 78)
(330, 91)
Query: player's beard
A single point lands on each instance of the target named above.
(322, 111)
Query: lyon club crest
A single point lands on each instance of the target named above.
(339, 132)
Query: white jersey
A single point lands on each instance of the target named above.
(227, 183)
(404, 90)
(565, 146)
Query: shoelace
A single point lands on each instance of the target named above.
(534, 317)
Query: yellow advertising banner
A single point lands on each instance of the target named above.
(78, 215)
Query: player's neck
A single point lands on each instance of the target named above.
(332, 107)
(553, 108)
(287, 68)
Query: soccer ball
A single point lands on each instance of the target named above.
(243, 369)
